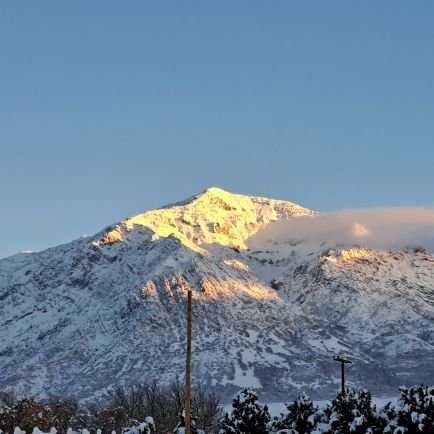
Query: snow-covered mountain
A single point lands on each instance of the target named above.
(271, 305)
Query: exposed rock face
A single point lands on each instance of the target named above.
(80, 317)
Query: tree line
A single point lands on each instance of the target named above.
(119, 408)
(349, 413)
(352, 412)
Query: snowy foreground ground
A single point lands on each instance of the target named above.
(275, 408)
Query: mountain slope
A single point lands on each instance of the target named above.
(107, 309)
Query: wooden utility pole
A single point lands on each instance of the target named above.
(188, 368)
(342, 360)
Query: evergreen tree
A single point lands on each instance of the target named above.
(352, 413)
(300, 416)
(384, 416)
(415, 411)
(248, 415)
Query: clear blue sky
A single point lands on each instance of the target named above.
(109, 108)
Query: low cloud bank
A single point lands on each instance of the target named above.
(385, 229)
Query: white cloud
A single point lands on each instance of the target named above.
(385, 228)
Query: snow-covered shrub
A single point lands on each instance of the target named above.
(146, 427)
(248, 415)
(299, 418)
(414, 411)
(26, 414)
(114, 419)
(180, 428)
(352, 412)
(65, 413)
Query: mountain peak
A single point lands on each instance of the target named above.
(216, 195)
(213, 216)
(215, 191)
(209, 192)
